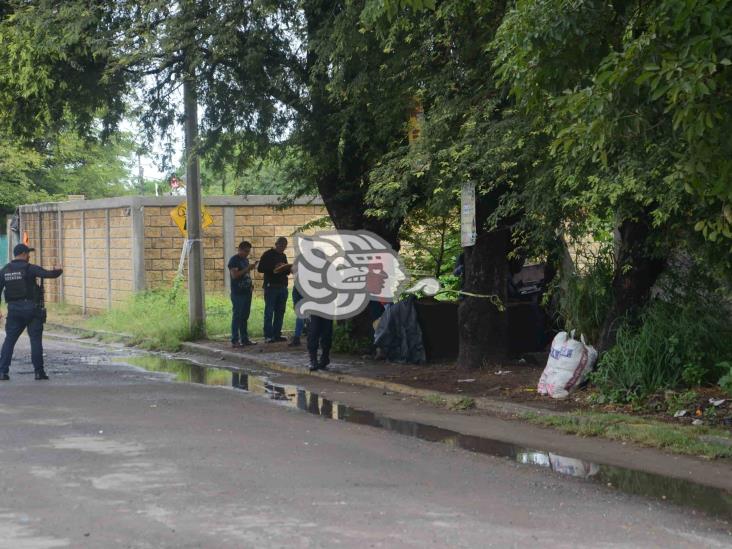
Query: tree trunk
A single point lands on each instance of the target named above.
(636, 271)
(483, 327)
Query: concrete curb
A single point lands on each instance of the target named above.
(497, 407)
(85, 332)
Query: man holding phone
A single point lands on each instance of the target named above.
(273, 264)
(241, 294)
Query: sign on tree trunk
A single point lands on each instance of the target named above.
(467, 215)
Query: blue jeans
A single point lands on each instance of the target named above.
(275, 303)
(299, 322)
(22, 315)
(241, 305)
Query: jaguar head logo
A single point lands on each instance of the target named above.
(339, 272)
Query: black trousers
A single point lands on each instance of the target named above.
(22, 315)
(320, 333)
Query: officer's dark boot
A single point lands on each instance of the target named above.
(41, 374)
(4, 377)
(324, 360)
(313, 361)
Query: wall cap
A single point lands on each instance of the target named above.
(164, 201)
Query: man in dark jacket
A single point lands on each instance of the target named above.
(25, 308)
(273, 264)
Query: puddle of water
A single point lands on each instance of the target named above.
(683, 492)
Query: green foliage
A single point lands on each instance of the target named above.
(636, 102)
(463, 404)
(671, 345)
(587, 295)
(344, 340)
(725, 382)
(436, 400)
(679, 439)
(430, 243)
(680, 401)
(59, 165)
(158, 319)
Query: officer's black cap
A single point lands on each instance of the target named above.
(21, 249)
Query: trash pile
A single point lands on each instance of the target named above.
(705, 411)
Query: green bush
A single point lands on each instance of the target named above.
(345, 342)
(671, 345)
(725, 382)
(584, 304)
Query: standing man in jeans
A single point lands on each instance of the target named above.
(241, 294)
(25, 308)
(320, 335)
(273, 264)
(299, 322)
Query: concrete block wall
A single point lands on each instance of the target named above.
(260, 224)
(94, 247)
(46, 253)
(111, 248)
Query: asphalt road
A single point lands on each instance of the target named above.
(106, 455)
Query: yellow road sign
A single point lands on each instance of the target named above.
(178, 214)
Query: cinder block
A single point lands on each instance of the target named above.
(171, 232)
(152, 276)
(162, 243)
(120, 221)
(169, 253)
(162, 264)
(263, 230)
(153, 253)
(120, 253)
(243, 232)
(124, 268)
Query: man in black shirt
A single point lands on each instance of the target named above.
(273, 264)
(241, 294)
(25, 308)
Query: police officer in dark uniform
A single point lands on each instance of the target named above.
(25, 308)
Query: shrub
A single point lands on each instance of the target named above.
(344, 340)
(672, 344)
(725, 382)
(587, 297)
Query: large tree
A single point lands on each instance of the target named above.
(470, 134)
(266, 72)
(636, 100)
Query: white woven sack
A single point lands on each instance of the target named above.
(569, 362)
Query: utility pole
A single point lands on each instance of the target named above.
(196, 300)
(140, 176)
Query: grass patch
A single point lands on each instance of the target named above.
(158, 319)
(678, 439)
(435, 400)
(63, 313)
(458, 405)
(462, 404)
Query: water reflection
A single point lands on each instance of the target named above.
(683, 492)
